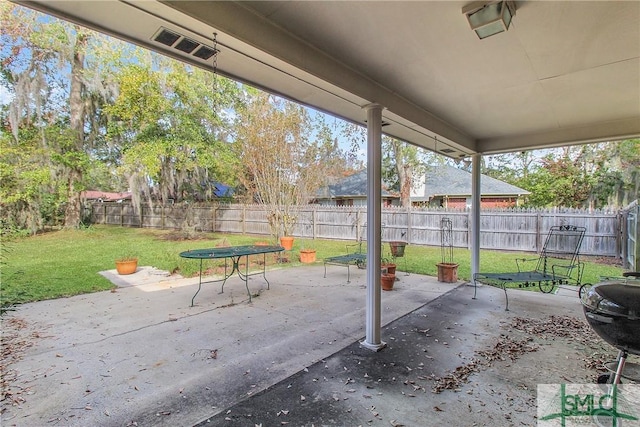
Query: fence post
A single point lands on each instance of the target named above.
(314, 218)
(243, 218)
(621, 248)
(213, 219)
(469, 231)
(538, 236)
(409, 219)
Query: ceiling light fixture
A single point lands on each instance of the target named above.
(487, 18)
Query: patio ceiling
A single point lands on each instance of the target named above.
(565, 72)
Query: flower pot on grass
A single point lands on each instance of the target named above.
(126, 265)
(308, 256)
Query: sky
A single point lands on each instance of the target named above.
(5, 96)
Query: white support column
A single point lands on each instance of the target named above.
(475, 214)
(374, 222)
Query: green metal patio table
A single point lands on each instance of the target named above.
(234, 254)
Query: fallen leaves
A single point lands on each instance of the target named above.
(508, 347)
(572, 329)
(505, 348)
(455, 379)
(568, 327)
(14, 341)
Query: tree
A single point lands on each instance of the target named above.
(55, 87)
(73, 155)
(338, 163)
(282, 167)
(95, 111)
(581, 176)
(167, 118)
(401, 162)
(625, 176)
(509, 167)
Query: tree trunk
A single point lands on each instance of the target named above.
(72, 214)
(405, 186)
(404, 174)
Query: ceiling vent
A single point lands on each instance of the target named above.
(447, 150)
(183, 44)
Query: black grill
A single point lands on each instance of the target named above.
(612, 309)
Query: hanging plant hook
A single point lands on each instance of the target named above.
(215, 68)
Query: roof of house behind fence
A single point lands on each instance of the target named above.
(450, 181)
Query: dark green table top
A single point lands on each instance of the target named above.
(230, 251)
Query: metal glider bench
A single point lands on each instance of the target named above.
(356, 258)
(557, 264)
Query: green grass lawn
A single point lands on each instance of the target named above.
(65, 263)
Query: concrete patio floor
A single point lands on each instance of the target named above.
(142, 356)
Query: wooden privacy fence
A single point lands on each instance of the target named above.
(630, 224)
(510, 229)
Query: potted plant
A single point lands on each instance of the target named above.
(388, 266)
(126, 265)
(288, 222)
(282, 225)
(386, 281)
(388, 274)
(397, 248)
(307, 254)
(447, 272)
(447, 269)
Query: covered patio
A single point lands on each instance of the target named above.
(560, 73)
(140, 355)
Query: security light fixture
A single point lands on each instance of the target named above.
(487, 18)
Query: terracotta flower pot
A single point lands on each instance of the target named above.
(126, 266)
(389, 267)
(397, 248)
(286, 242)
(447, 272)
(308, 256)
(387, 280)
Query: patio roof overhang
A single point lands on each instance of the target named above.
(565, 72)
